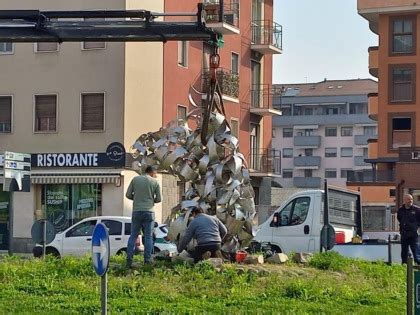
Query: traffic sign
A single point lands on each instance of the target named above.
(328, 237)
(17, 165)
(100, 249)
(416, 292)
(37, 232)
(22, 157)
(17, 172)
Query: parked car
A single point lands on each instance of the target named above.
(77, 239)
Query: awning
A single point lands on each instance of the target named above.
(72, 178)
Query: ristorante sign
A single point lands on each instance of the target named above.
(113, 157)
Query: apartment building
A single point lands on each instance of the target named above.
(323, 132)
(394, 155)
(245, 76)
(66, 104)
(73, 104)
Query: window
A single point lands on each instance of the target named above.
(234, 125)
(308, 112)
(308, 173)
(287, 152)
(5, 114)
(309, 152)
(235, 63)
(181, 113)
(183, 53)
(365, 152)
(402, 80)
(287, 173)
(358, 108)
(369, 130)
(114, 227)
(83, 229)
(346, 152)
(127, 229)
(286, 110)
(93, 112)
(273, 132)
(343, 172)
(46, 47)
(330, 152)
(402, 33)
(401, 132)
(332, 111)
(287, 132)
(45, 113)
(65, 205)
(346, 131)
(330, 173)
(295, 212)
(6, 48)
(330, 131)
(93, 45)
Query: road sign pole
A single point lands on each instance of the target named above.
(10, 251)
(44, 238)
(410, 286)
(104, 293)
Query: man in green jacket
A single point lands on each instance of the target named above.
(144, 190)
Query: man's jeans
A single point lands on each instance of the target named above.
(144, 220)
(409, 242)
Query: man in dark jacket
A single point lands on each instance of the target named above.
(409, 218)
(209, 232)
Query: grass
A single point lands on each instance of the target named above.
(331, 284)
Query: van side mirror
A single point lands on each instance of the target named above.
(276, 220)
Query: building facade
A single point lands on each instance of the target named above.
(323, 131)
(394, 62)
(70, 104)
(251, 37)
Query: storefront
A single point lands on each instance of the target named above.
(4, 219)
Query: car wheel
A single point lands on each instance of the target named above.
(156, 250)
(122, 251)
(52, 251)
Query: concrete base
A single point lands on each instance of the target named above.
(22, 245)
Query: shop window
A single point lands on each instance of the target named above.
(330, 131)
(5, 114)
(183, 53)
(65, 205)
(402, 80)
(114, 227)
(330, 152)
(45, 113)
(346, 131)
(401, 132)
(6, 48)
(93, 45)
(403, 38)
(287, 132)
(93, 112)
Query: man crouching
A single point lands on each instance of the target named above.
(208, 232)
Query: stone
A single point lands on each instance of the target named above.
(254, 259)
(302, 258)
(215, 262)
(278, 259)
(183, 257)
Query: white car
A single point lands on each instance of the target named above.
(77, 239)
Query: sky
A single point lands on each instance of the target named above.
(321, 39)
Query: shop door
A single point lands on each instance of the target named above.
(4, 220)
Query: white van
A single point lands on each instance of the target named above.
(296, 225)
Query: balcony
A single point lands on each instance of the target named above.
(228, 82)
(223, 16)
(262, 100)
(307, 141)
(363, 139)
(371, 176)
(360, 161)
(373, 60)
(307, 162)
(341, 119)
(307, 182)
(267, 37)
(264, 162)
(373, 105)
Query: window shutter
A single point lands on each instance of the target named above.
(47, 46)
(45, 112)
(93, 111)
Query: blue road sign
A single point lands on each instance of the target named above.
(100, 249)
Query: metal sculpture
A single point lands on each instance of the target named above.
(208, 159)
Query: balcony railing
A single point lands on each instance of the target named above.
(265, 161)
(265, 32)
(360, 161)
(371, 176)
(227, 12)
(262, 100)
(307, 141)
(363, 139)
(307, 161)
(228, 81)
